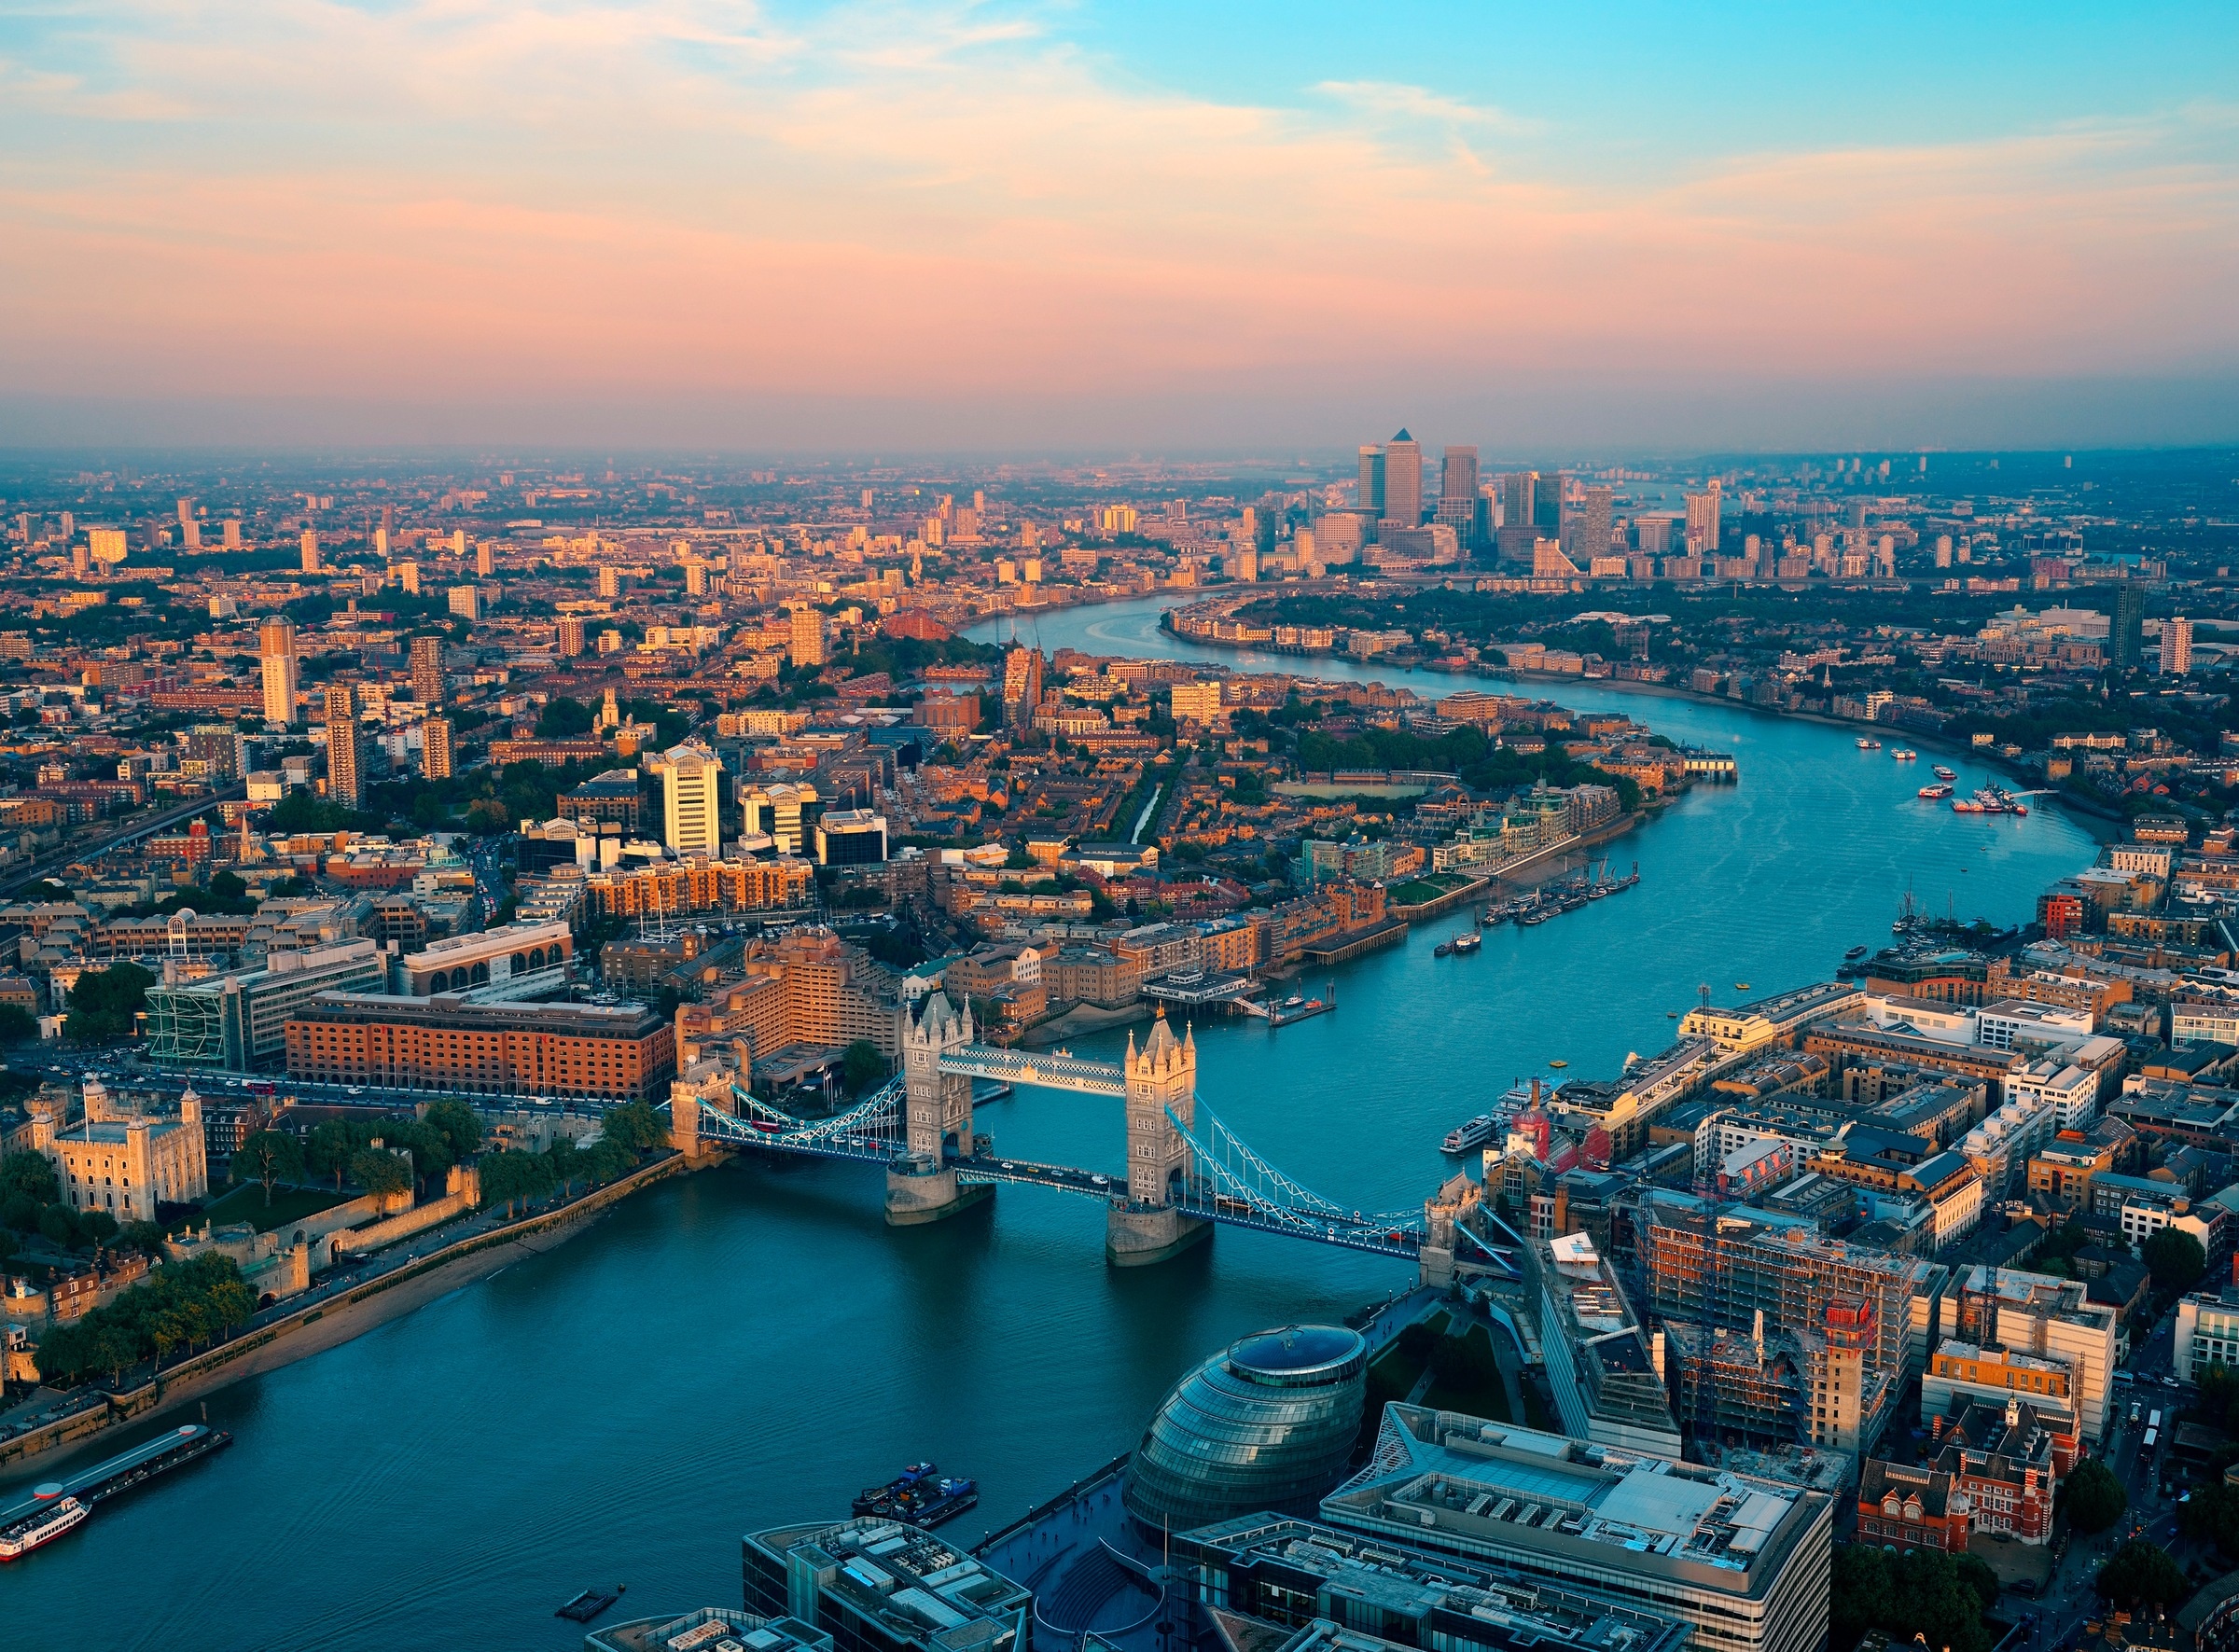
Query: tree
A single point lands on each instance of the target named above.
(1923, 1593)
(460, 1125)
(2212, 1514)
(30, 1175)
(566, 1165)
(2094, 1497)
(112, 1350)
(635, 1126)
(17, 1025)
(564, 719)
(270, 1156)
(333, 1145)
(58, 1225)
(861, 1066)
(379, 1172)
(104, 1003)
(2141, 1573)
(2175, 1259)
(514, 1177)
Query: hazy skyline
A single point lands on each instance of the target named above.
(976, 228)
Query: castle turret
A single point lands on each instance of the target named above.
(1161, 1100)
(937, 1119)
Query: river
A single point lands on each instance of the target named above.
(751, 1345)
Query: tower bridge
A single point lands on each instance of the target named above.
(1186, 1169)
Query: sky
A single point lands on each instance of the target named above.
(1152, 227)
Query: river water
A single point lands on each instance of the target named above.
(751, 1345)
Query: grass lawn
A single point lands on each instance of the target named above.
(1412, 893)
(245, 1204)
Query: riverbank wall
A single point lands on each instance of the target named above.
(317, 1326)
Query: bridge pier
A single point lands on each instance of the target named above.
(921, 1190)
(1138, 1236)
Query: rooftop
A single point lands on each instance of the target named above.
(1443, 1478)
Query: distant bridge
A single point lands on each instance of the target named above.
(1188, 1169)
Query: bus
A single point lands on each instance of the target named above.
(2153, 1430)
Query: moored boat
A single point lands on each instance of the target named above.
(1935, 791)
(1866, 744)
(1905, 754)
(57, 1514)
(1943, 773)
(1475, 1132)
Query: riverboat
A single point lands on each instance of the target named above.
(1943, 773)
(1905, 755)
(1476, 1132)
(57, 1514)
(1937, 791)
(1467, 941)
(920, 1496)
(1854, 954)
(1868, 746)
(1990, 800)
(1444, 950)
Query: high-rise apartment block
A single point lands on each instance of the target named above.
(483, 567)
(690, 777)
(229, 535)
(1022, 687)
(408, 577)
(467, 601)
(1403, 481)
(1594, 521)
(571, 636)
(276, 649)
(311, 552)
(345, 747)
(435, 748)
(807, 629)
(2176, 646)
(428, 669)
(610, 583)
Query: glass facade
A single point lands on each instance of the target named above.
(1264, 1426)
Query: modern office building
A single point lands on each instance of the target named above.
(1403, 481)
(1371, 499)
(806, 988)
(1744, 1562)
(785, 815)
(619, 1053)
(428, 669)
(611, 797)
(276, 651)
(878, 1586)
(2207, 1334)
(238, 1023)
(1702, 521)
(345, 747)
(691, 786)
(1458, 499)
(437, 757)
(851, 837)
(2051, 1318)
(1266, 1424)
(2126, 627)
(1312, 1576)
(1608, 1386)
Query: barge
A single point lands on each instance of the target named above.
(42, 1515)
(920, 1496)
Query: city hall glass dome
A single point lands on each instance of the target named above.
(1266, 1425)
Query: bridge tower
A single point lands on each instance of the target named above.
(937, 1113)
(1149, 1226)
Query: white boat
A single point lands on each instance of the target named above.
(1868, 746)
(1475, 1133)
(1904, 755)
(43, 1526)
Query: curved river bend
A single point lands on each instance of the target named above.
(752, 1345)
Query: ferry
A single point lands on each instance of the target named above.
(1463, 1137)
(1468, 940)
(1943, 773)
(1868, 746)
(56, 1514)
(920, 1496)
(1905, 755)
(1990, 800)
(1938, 790)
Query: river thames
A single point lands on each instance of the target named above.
(750, 1346)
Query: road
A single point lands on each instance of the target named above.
(143, 827)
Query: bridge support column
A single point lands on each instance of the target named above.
(920, 1190)
(1138, 1236)
(1442, 1212)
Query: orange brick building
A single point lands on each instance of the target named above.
(623, 1054)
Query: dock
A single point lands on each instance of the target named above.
(1353, 943)
(124, 1472)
